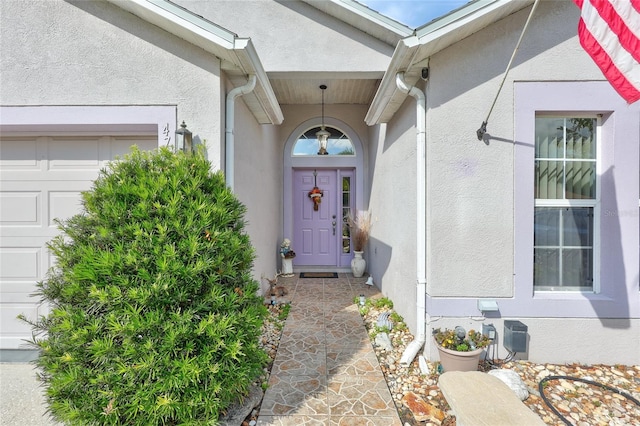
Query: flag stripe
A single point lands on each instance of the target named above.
(608, 68)
(609, 34)
(598, 23)
(625, 22)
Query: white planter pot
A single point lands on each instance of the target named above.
(358, 264)
(459, 361)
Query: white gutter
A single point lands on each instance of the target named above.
(229, 125)
(421, 287)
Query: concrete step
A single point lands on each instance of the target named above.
(479, 399)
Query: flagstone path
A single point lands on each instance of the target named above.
(326, 371)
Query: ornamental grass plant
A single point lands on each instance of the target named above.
(155, 319)
(360, 225)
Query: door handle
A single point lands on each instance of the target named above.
(334, 227)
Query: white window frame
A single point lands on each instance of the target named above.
(577, 203)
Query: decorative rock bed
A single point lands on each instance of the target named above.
(581, 404)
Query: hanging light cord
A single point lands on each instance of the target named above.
(323, 88)
(483, 128)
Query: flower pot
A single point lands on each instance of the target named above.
(358, 264)
(459, 361)
(287, 266)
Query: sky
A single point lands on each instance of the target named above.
(413, 13)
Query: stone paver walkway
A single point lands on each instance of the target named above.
(326, 371)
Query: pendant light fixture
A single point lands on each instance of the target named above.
(322, 135)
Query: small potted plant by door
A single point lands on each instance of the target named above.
(360, 226)
(459, 350)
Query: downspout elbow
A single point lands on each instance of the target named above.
(413, 91)
(421, 102)
(229, 127)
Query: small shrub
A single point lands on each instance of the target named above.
(459, 340)
(284, 313)
(396, 318)
(382, 329)
(382, 303)
(155, 317)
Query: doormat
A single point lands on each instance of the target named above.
(318, 275)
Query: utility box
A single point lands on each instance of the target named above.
(515, 336)
(489, 330)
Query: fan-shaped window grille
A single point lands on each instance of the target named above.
(337, 144)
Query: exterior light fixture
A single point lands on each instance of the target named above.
(322, 135)
(184, 141)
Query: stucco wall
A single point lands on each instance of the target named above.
(258, 184)
(294, 36)
(472, 190)
(392, 247)
(475, 191)
(93, 53)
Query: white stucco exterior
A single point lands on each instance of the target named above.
(475, 193)
(293, 36)
(121, 55)
(94, 53)
(392, 260)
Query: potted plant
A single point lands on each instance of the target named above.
(287, 254)
(360, 226)
(459, 350)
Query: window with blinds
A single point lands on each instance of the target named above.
(565, 203)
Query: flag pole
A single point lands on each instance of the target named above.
(483, 128)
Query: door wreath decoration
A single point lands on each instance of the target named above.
(316, 193)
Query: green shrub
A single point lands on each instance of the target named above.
(383, 302)
(155, 318)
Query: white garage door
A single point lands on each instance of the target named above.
(41, 178)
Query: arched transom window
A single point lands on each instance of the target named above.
(337, 143)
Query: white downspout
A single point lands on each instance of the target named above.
(421, 123)
(230, 119)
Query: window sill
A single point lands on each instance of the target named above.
(571, 295)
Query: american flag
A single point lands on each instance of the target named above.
(609, 31)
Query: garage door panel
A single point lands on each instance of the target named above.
(19, 154)
(39, 204)
(13, 331)
(21, 292)
(122, 145)
(20, 208)
(74, 154)
(42, 179)
(22, 263)
(63, 205)
(37, 175)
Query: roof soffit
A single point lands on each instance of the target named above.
(412, 53)
(238, 55)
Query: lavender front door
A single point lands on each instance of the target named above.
(317, 233)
